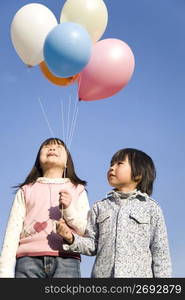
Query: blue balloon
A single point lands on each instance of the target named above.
(67, 49)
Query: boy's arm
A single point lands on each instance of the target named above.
(12, 235)
(88, 243)
(161, 261)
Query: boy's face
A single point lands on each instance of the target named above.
(119, 176)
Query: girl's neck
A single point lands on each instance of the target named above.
(53, 173)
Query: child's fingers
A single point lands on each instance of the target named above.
(63, 198)
(65, 201)
(61, 221)
(63, 229)
(56, 225)
(62, 203)
(64, 192)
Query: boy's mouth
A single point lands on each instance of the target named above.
(111, 175)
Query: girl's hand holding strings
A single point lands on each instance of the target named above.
(65, 199)
(64, 230)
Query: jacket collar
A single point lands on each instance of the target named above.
(135, 194)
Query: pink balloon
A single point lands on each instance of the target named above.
(109, 70)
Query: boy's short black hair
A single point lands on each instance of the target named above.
(142, 167)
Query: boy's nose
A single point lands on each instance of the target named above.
(110, 170)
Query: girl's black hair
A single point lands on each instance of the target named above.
(142, 167)
(36, 171)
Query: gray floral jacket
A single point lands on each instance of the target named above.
(127, 233)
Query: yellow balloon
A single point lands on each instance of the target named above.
(91, 14)
(54, 79)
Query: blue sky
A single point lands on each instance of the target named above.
(148, 114)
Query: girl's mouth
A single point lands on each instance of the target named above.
(52, 154)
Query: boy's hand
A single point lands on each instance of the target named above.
(64, 230)
(65, 199)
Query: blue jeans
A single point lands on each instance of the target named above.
(47, 267)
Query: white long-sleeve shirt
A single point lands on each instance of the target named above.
(75, 215)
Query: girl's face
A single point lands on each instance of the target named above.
(119, 176)
(53, 155)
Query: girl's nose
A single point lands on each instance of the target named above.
(52, 148)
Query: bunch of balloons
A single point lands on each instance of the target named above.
(71, 51)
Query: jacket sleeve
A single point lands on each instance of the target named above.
(76, 214)
(11, 238)
(161, 261)
(88, 243)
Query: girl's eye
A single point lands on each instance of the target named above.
(48, 147)
(120, 162)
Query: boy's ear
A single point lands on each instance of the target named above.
(138, 178)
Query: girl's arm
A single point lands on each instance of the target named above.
(11, 239)
(76, 213)
(161, 261)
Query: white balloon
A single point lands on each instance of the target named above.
(91, 14)
(29, 28)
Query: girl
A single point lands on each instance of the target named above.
(30, 237)
(126, 230)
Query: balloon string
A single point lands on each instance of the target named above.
(73, 123)
(45, 117)
(62, 114)
(68, 120)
